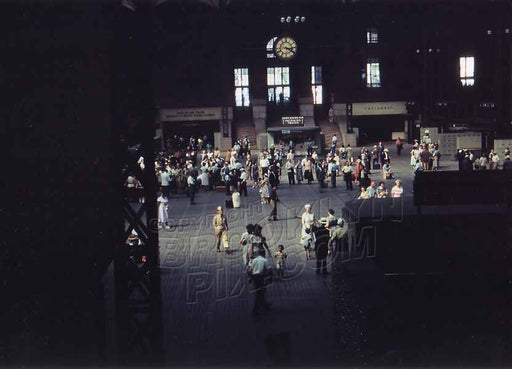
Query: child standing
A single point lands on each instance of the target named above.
(280, 258)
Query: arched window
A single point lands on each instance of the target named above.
(270, 48)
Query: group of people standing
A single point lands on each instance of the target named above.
(425, 156)
(485, 161)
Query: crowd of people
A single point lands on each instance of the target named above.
(186, 166)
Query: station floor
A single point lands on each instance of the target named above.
(344, 318)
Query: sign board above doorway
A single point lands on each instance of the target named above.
(190, 114)
(379, 108)
(293, 121)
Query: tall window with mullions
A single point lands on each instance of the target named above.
(242, 97)
(278, 83)
(316, 84)
(372, 73)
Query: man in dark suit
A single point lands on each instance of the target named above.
(273, 181)
(321, 248)
(507, 163)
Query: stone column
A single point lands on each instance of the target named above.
(306, 109)
(259, 117)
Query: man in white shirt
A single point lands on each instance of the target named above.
(333, 168)
(260, 268)
(243, 182)
(165, 179)
(191, 182)
(290, 167)
(264, 164)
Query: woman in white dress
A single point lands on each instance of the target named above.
(163, 215)
(205, 183)
(306, 236)
(413, 158)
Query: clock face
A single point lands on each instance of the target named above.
(285, 48)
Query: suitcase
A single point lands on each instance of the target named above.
(225, 242)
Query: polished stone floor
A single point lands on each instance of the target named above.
(352, 316)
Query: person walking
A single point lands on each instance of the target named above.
(320, 175)
(321, 249)
(333, 169)
(163, 211)
(220, 227)
(260, 270)
(306, 164)
(191, 183)
(243, 182)
(273, 183)
(165, 181)
(280, 260)
(380, 152)
(347, 175)
(290, 171)
(298, 172)
(399, 146)
(264, 189)
(307, 221)
(338, 232)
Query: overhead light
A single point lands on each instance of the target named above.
(507, 30)
(429, 50)
(297, 19)
(303, 19)
(288, 19)
(282, 19)
(489, 32)
(417, 51)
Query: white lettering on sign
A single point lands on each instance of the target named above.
(292, 121)
(172, 115)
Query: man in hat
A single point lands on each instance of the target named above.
(220, 227)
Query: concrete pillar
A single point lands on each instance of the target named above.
(259, 116)
(306, 109)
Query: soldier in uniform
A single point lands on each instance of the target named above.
(220, 226)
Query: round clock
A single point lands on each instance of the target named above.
(285, 48)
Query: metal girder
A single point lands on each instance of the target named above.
(138, 305)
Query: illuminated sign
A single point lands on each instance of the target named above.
(292, 121)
